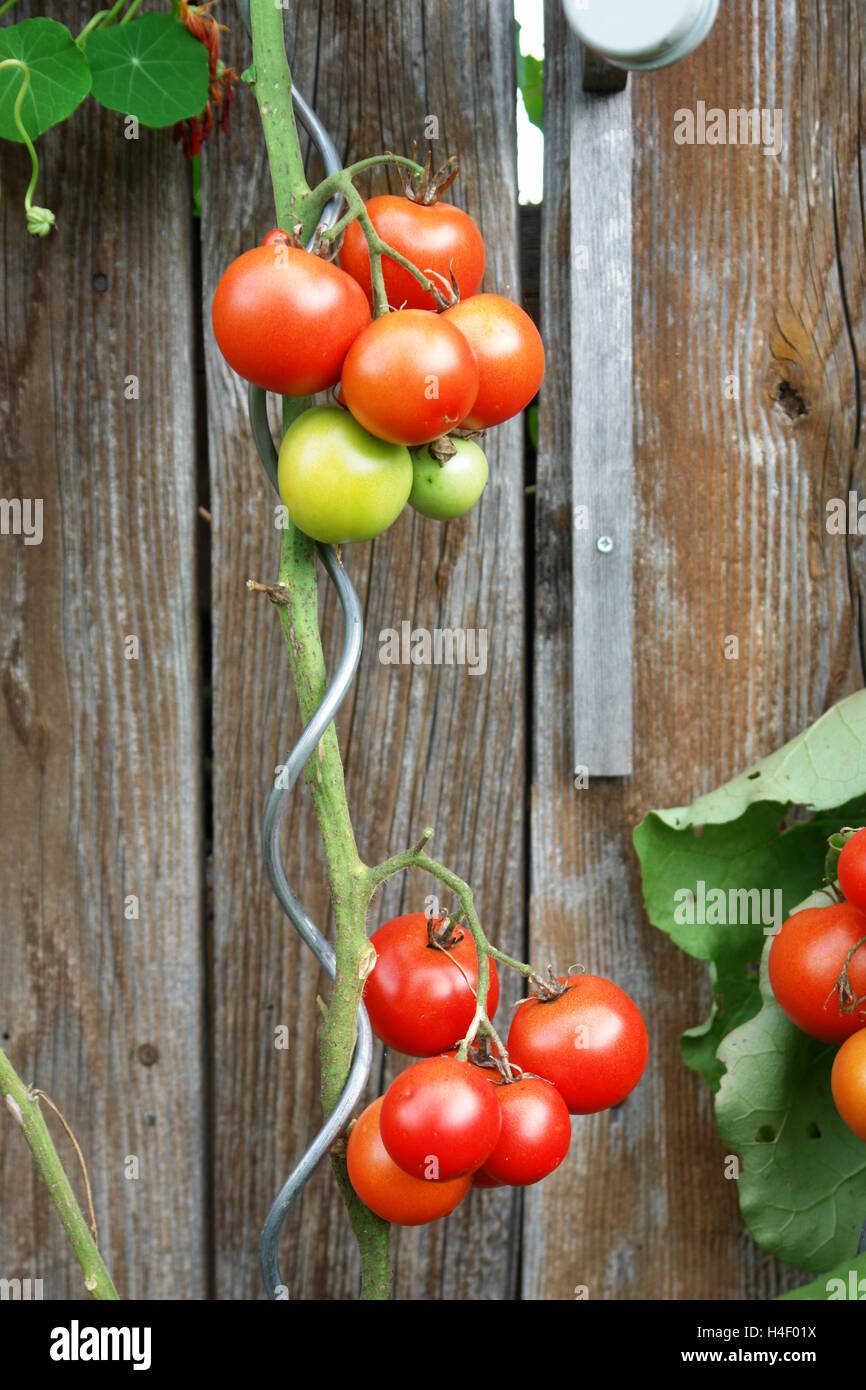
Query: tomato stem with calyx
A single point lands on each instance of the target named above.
(417, 858)
(848, 1000)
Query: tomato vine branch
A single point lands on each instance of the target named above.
(22, 1104)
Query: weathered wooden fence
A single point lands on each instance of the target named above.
(143, 962)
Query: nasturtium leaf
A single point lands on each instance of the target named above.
(59, 76)
(846, 1281)
(802, 1187)
(151, 68)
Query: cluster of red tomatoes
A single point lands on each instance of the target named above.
(445, 1125)
(815, 950)
(290, 322)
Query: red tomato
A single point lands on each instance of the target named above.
(851, 870)
(848, 1083)
(385, 1188)
(510, 357)
(481, 1179)
(806, 959)
(440, 1119)
(535, 1134)
(437, 239)
(591, 1042)
(275, 236)
(410, 377)
(284, 319)
(421, 998)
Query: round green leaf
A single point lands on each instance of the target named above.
(59, 76)
(151, 68)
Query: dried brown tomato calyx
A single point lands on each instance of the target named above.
(425, 188)
(443, 932)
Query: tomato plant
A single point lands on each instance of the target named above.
(410, 377)
(448, 488)
(590, 1040)
(510, 356)
(535, 1133)
(388, 1190)
(337, 481)
(806, 959)
(440, 1119)
(848, 1082)
(421, 996)
(284, 319)
(440, 239)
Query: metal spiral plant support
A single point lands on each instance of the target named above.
(293, 767)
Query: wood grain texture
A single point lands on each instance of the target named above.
(99, 755)
(602, 429)
(422, 745)
(747, 266)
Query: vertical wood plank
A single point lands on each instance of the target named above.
(99, 754)
(746, 267)
(601, 430)
(421, 745)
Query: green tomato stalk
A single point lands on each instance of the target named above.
(352, 883)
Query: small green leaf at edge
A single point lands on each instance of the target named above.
(849, 1273)
(151, 68)
(530, 84)
(59, 78)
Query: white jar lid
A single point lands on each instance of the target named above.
(641, 33)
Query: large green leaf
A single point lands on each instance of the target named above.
(846, 1281)
(802, 1188)
(743, 837)
(824, 766)
(151, 68)
(760, 853)
(59, 76)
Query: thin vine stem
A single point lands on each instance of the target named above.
(39, 220)
(100, 20)
(22, 1103)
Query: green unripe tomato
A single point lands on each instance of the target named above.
(447, 490)
(338, 482)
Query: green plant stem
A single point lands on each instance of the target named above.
(299, 617)
(136, 5)
(99, 20)
(329, 185)
(27, 1113)
(273, 88)
(356, 208)
(39, 220)
(324, 776)
(7, 6)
